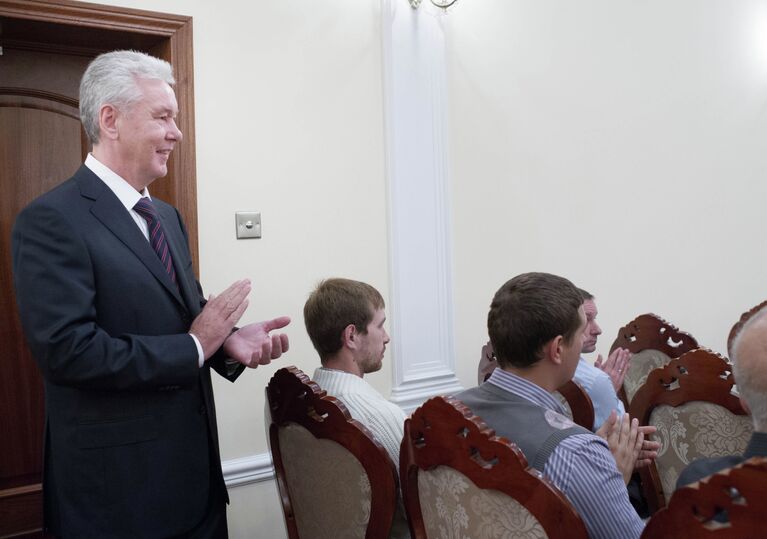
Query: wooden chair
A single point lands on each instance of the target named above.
(573, 397)
(740, 493)
(653, 343)
(691, 404)
(334, 479)
(460, 480)
(745, 317)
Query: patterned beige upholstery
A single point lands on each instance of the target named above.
(693, 430)
(319, 473)
(460, 510)
(640, 366)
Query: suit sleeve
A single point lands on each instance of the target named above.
(57, 296)
(219, 361)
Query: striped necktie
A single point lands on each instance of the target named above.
(157, 239)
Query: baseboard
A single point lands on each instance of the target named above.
(247, 470)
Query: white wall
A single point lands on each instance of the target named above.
(618, 143)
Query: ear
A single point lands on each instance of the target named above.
(349, 337)
(108, 116)
(553, 349)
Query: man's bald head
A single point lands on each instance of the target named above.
(749, 357)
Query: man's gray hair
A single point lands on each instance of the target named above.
(111, 78)
(751, 375)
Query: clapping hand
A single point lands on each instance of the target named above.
(615, 367)
(252, 345)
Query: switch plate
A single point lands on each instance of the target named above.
(248, 224)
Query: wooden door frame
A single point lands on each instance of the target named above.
(174, 35)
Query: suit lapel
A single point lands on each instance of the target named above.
(108, 209)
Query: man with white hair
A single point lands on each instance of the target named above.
(117, 323)
(749, 362)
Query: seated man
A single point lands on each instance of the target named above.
(536, 325)
(749, 358)
(601, 380)
(345, 321)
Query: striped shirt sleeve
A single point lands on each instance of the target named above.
(583, 468)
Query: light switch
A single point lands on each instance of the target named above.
(248, 224)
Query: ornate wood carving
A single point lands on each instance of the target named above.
(650, 331)
(698, 375)
(293, 398)
(444, 432)
(738, 494)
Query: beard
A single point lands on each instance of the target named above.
(372, 363)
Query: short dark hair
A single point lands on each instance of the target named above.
(527, 312)
(585, 296)
(335, 304)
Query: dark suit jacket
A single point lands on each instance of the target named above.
(131, 444)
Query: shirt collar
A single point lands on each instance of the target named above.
(128, 195)
(525, 389)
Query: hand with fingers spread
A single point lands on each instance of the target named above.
(615, 367)
(252, 345)
(219, 316)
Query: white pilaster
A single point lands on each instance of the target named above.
(415, 109)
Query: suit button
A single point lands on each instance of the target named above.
(202, 410)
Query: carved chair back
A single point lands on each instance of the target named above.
(334, 479)
(690, 402)
(460, 480)
(695, 511)
(653, 342)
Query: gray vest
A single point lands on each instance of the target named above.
(534, 429)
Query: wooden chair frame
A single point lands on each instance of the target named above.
(444, 432)
(740, 491)
(579, 401)
(698, 375)
(293, 398)
(651, 332)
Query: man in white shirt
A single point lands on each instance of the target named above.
(345, 321)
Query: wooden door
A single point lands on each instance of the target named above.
(46, 46)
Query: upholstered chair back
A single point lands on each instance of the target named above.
(461, 509)
(694, 430)
(460, 480)
(691, 403)
(335, 481)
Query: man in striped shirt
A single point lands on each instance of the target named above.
(536, 325)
